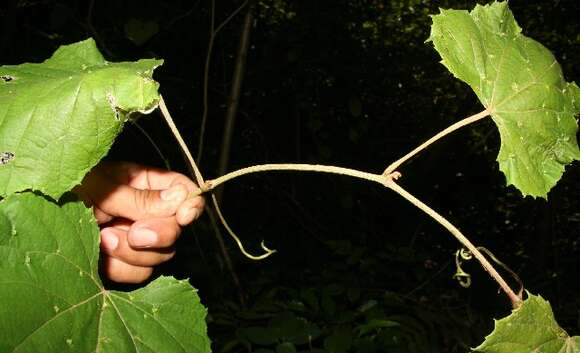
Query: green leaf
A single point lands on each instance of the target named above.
(139, 31)
(374, 325)
(530, 328)
(285, 347)
(59, 118)
(521, 84)
(54, 301)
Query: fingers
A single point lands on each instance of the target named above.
(137, 192)
(142, 245)
(120, 200)
(143, 177)
(190, 210)
(119, 271)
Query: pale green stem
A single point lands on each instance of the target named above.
(393, 166)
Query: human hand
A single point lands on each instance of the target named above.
(140, 211)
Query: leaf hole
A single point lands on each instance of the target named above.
(6, 157)
(6, 78)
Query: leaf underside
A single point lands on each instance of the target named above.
(60, 117)
(521, 84)
(54, 301)
(530, 328)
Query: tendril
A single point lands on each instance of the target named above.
(268, 251)
(462, 277)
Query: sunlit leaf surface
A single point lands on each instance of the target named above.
(530, 328)
(52, 299)
(60, 117)
(521, 84)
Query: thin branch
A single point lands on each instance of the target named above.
(206, 81)
(175, 131)
(384, 179)
(234, 98)
(213, 33)
(212, 184)
(153, 143)
(230, 17)
(91, 29)
(514, 298)
(387, 181)
(393, 166)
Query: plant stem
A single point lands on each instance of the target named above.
(234, 98)
(471, 119)
(175, 131)
(206, 81)
(514, 298)
(387, 181)
(212, 184)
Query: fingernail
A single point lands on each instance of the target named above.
(109, 240)
(143, 238)
(174, 193)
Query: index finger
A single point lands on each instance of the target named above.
(144, 177)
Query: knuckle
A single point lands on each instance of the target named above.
(143, 201)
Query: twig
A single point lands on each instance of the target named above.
(175, 131)
(471, 119)
(212, 184)
(155, 146)
(213, 33)
(234, 98)
(514, 298)
(206, 81)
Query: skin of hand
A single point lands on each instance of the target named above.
(140, 211)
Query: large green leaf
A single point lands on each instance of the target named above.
(52, 299)
(59, 118)
(530, 328)
(521, 84)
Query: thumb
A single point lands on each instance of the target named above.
(136, 204)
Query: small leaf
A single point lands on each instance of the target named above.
(54, 301)
(60, 117)
(139, 31)
(529, 328)
(374, 325)
(285, 347)
(521, 84)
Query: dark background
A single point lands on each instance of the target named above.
(346, 83)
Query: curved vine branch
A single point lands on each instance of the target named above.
(386, 179)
